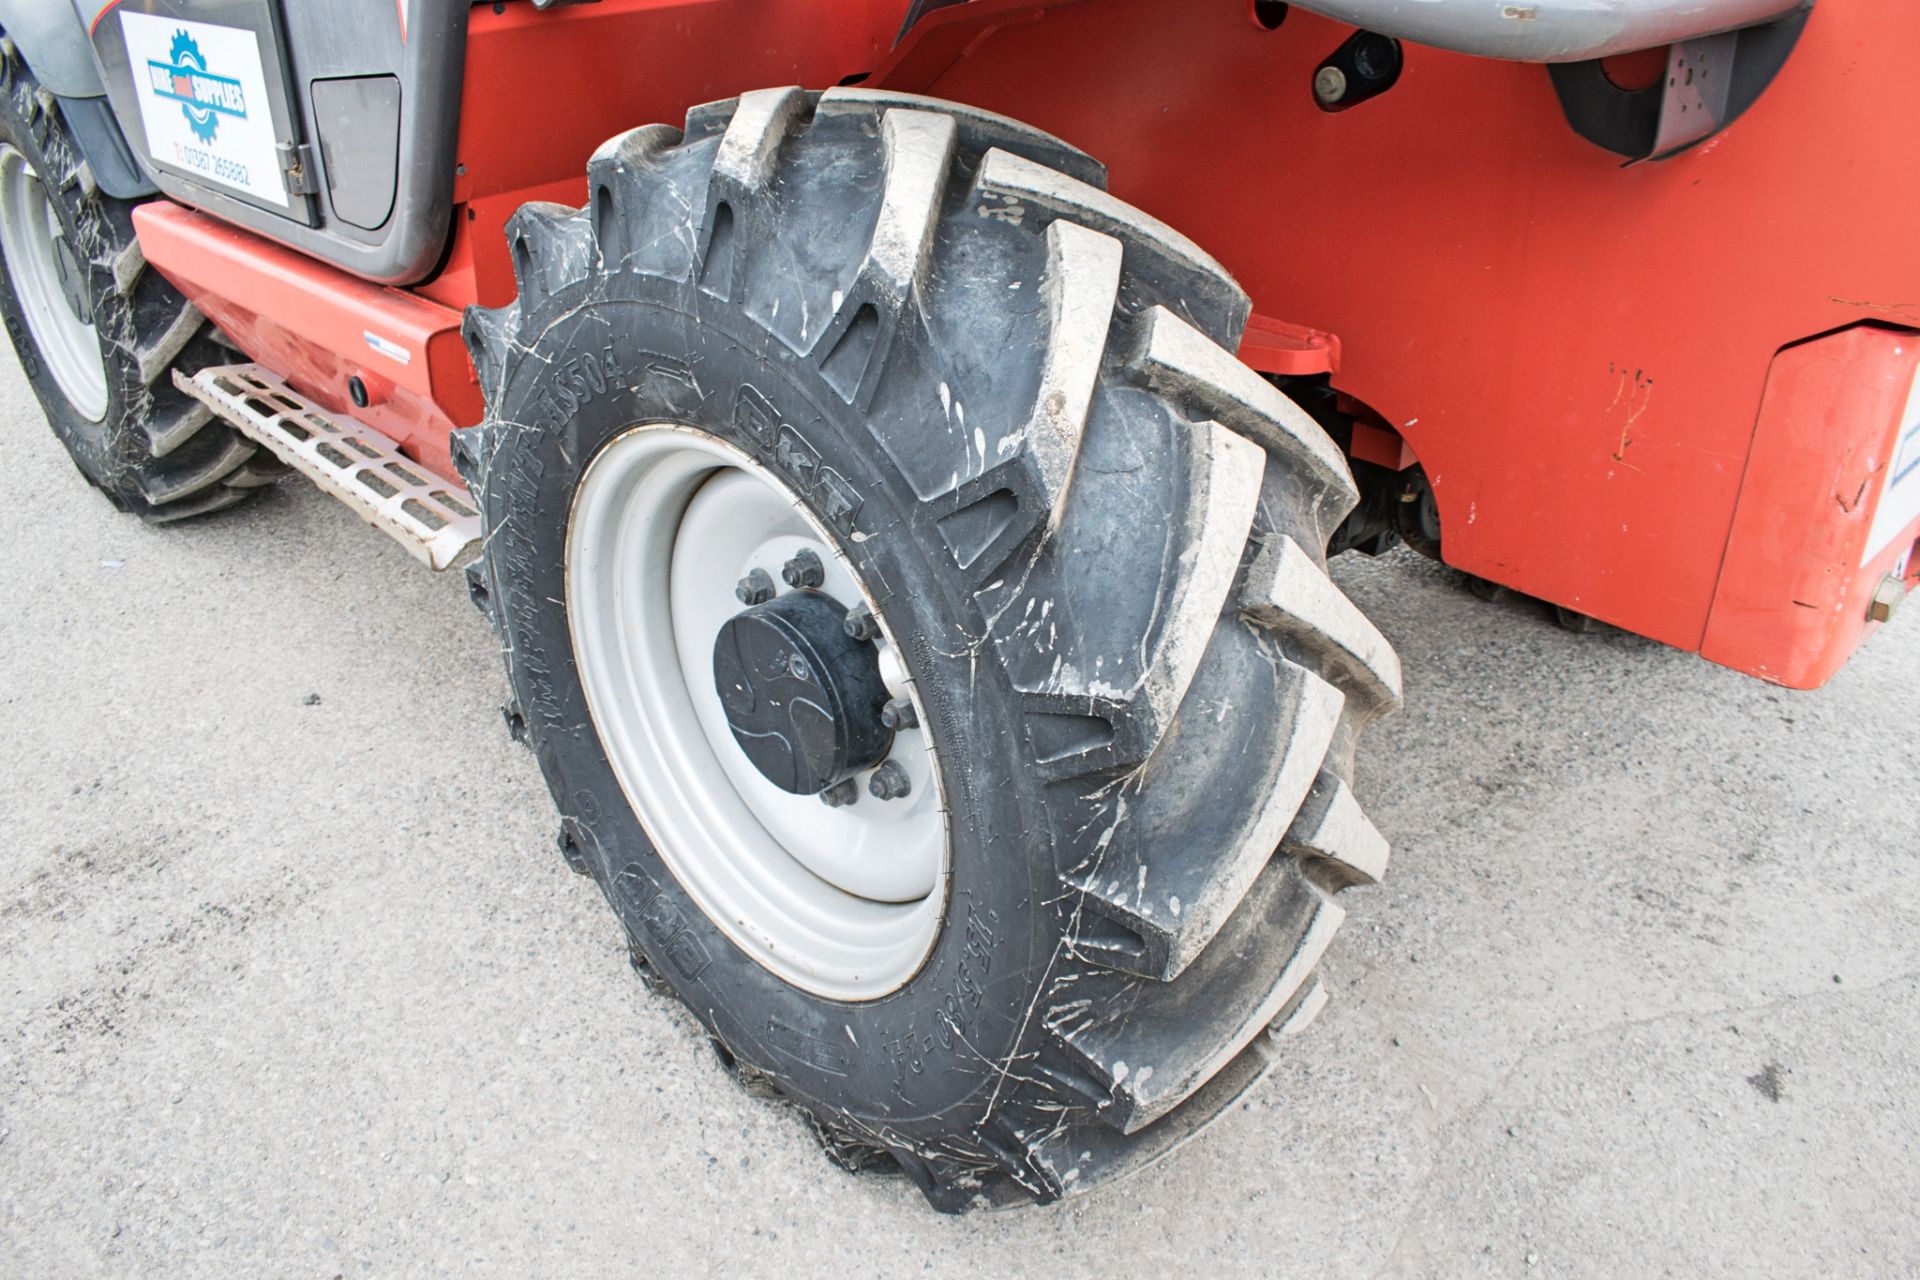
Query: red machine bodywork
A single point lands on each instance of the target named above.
(318, 328)
(1577, 352)
(1804, 556)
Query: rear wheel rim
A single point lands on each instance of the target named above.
(31, 236)
(842, 902)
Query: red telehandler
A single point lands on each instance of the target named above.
(906, 533)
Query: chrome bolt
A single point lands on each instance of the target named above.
(1886, 599)
(889, 782)
(1329, 85)
(840, 794)
(797, 668)
(755, 588)
(899, 714)
(804, 570)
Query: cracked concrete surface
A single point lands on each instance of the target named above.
(298, 987)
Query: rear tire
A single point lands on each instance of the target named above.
(1096, 544)
(98, 334)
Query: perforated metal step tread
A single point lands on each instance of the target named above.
(432, 518)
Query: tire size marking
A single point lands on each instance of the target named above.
(519, 469)
(910, 1052)
(573, 386)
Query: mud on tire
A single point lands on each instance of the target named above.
(154, 450)
(1100, 540)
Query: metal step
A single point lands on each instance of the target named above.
(432, 518)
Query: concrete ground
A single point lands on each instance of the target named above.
(300, 987)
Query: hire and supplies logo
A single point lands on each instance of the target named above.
(203, 96)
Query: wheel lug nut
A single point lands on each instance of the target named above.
(889, 782)
(755, 588)
(899, 714)
(840, 794)
(804, 570)
(861, 624)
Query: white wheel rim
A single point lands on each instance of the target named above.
(844, 902)
(29, 231)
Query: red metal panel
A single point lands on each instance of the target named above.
(1278, 347)
(1381, 447)
(317, 327)
(545, 88)
(1575, 350)
(1805, 556)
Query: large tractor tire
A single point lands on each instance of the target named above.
(99, 334)
(922, 622)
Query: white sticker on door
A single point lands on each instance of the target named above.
(1899, 504)
(203, 100)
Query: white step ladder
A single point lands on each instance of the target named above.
(432, 518)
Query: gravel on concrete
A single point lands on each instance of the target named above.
(295, 983)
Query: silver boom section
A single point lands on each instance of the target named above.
(1551, 30)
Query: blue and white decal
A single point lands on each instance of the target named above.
(203, 100)
(202, 95)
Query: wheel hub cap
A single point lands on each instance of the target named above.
(727, 728)
(802, 697)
